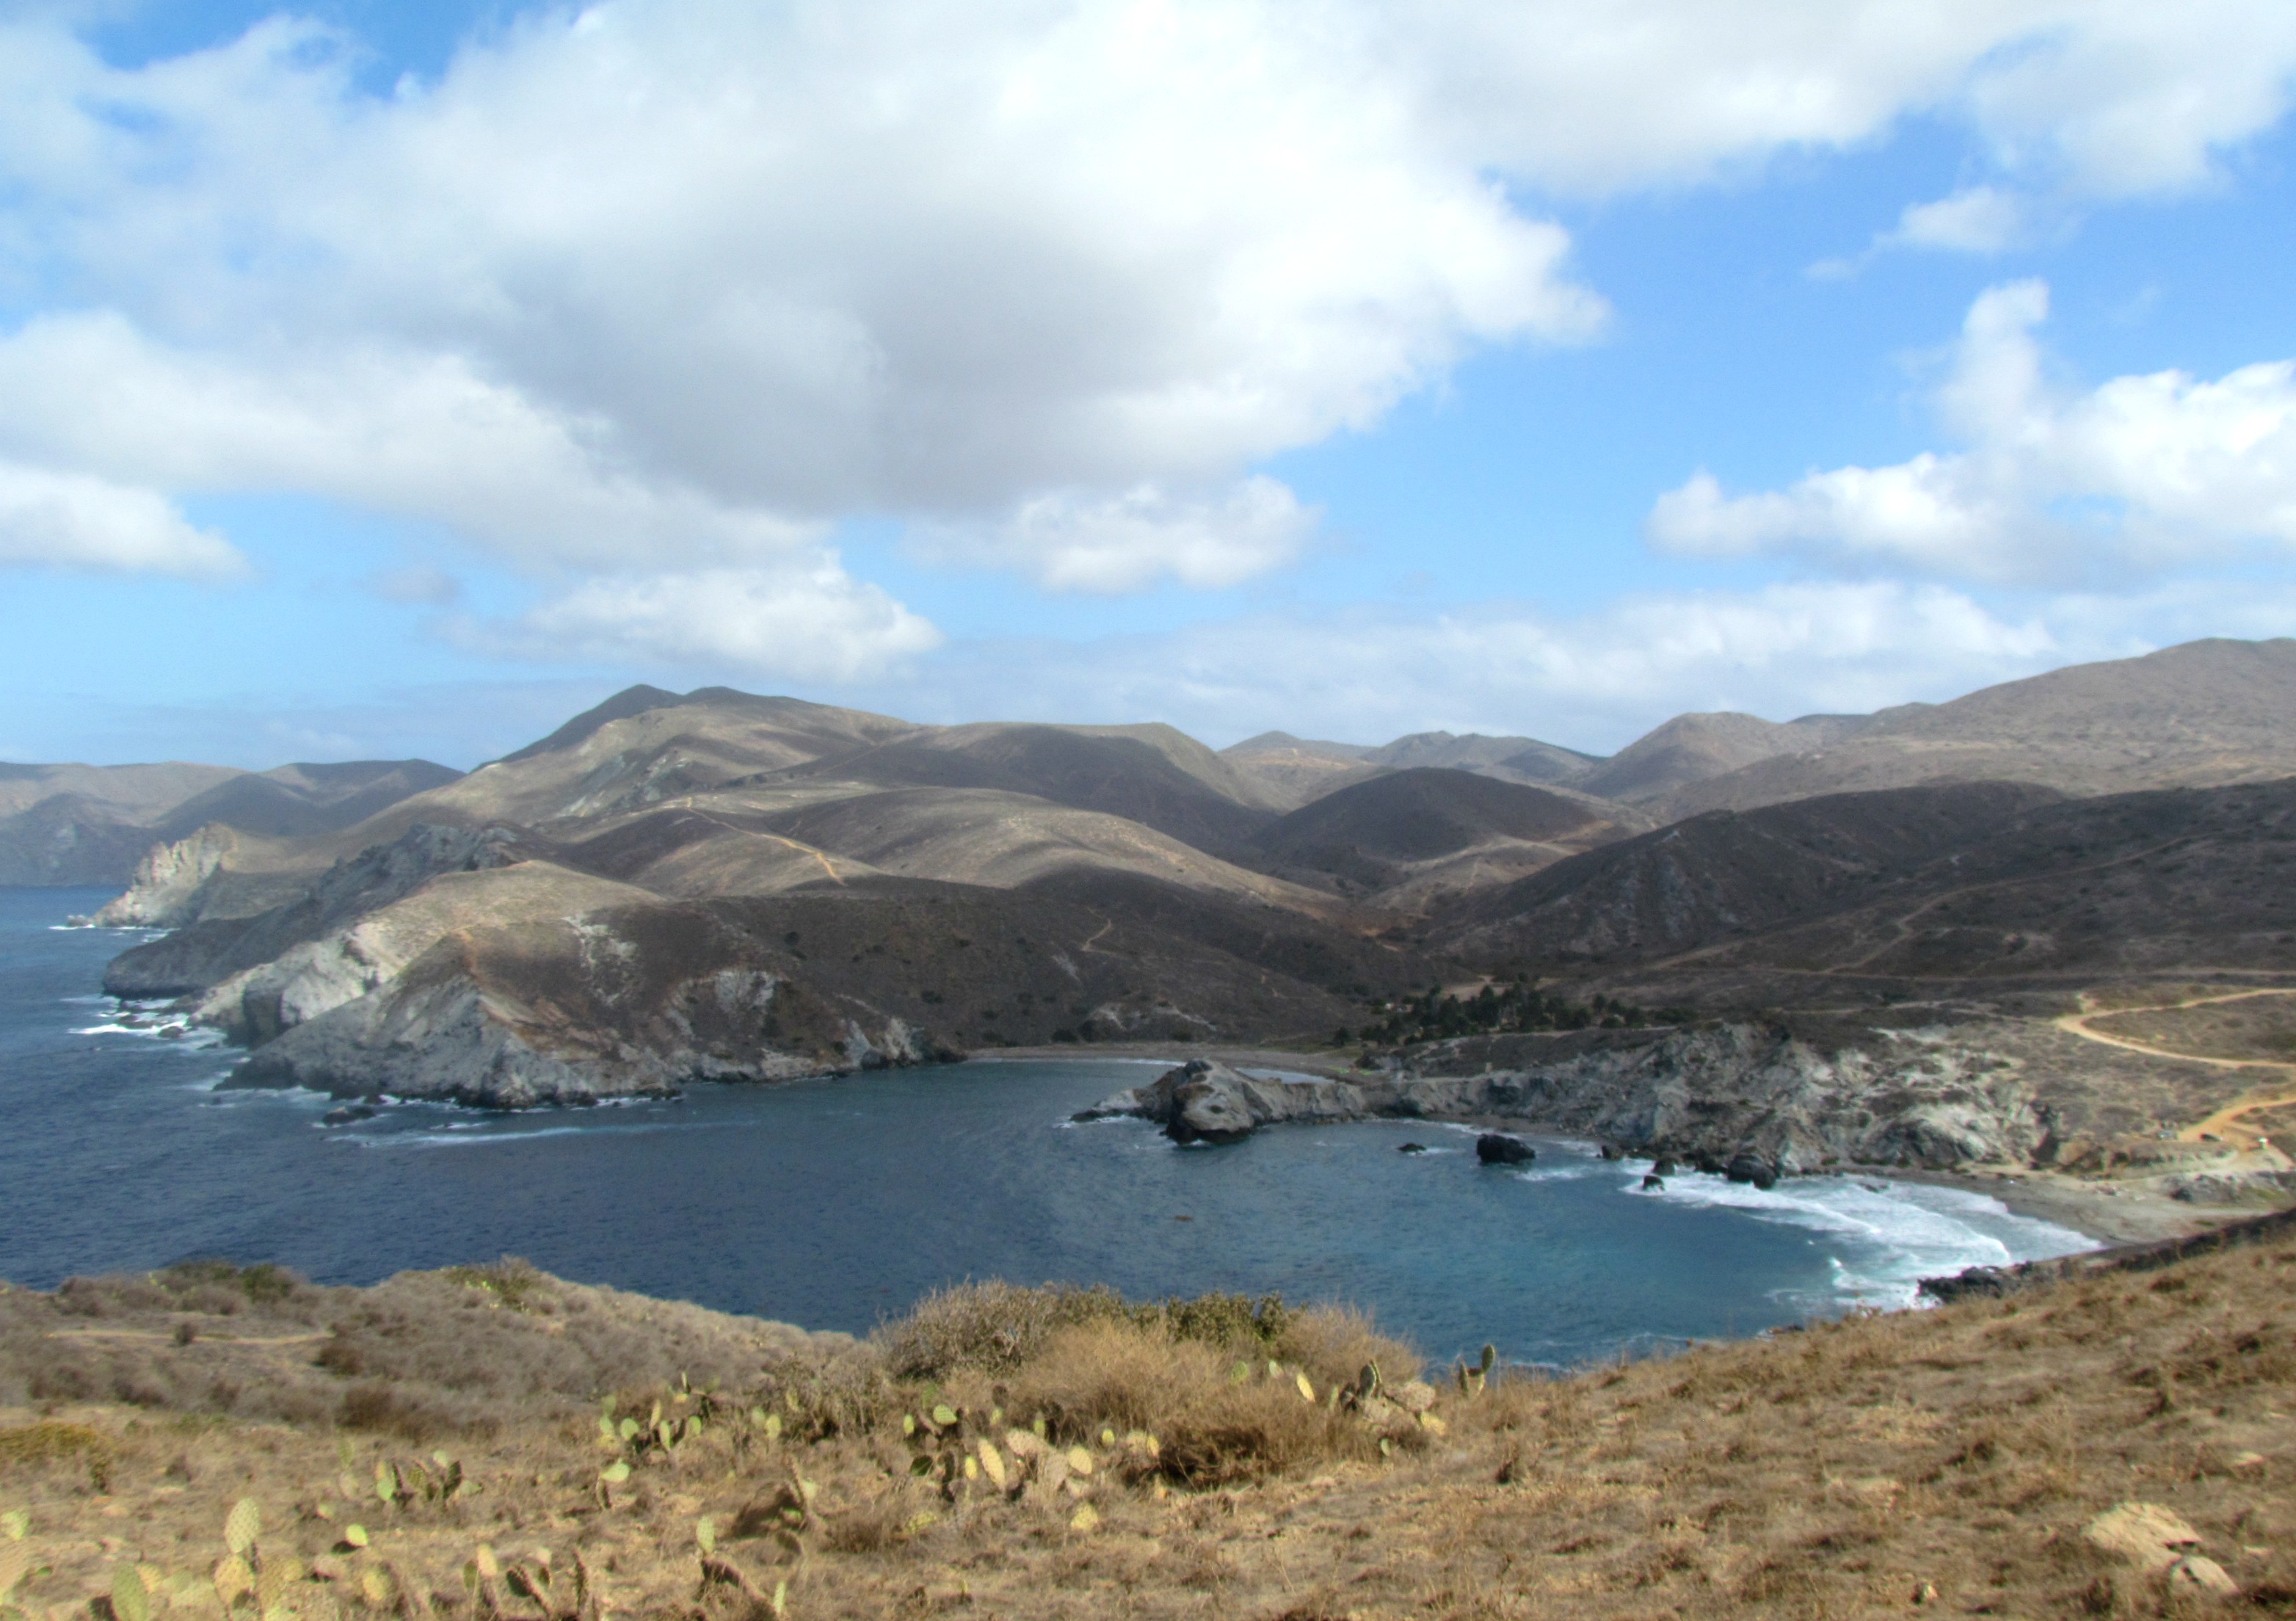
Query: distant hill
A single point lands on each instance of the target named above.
(1898, 889)
(1291, 771)
(1369, 836)
(82, 825)
(2202, 713)
(719, 883)
(1692, 748)
(1725, 875)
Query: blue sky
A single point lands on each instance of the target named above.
(379, 379)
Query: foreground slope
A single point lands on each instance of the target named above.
(2113, 1444)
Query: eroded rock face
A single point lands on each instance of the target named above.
(1204, 1101)
(620, 1002)
(1751, 1101)
(163, 891)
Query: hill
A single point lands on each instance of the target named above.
(1692, 748)
(1293, 771)
(1886, 892)
(79, 825)
(2199, 714)
(1433, 828)
(2100, 1442)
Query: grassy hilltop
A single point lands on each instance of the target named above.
(494, 1442)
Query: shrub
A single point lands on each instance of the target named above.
(1218, 1420)
(997, 1326)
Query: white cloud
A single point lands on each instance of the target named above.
(2143, 472)
(1975, 219)
(674, 282)
(422, 435)
(1591, 681)
(808, 621)
(70, 521)
(1076, 541)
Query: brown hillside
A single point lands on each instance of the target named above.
(434, 1446)
(2199, 714)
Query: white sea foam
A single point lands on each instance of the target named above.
(1890, 1235)
(474, 1134)
(190, 1038)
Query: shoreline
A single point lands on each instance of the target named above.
(2110, 1213)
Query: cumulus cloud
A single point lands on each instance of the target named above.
(1975, 219)
(2143, 471)
(2097, 98)
(1591, 681)
(70, 521)
(808, 621)
(1072, 540)
(688, 279)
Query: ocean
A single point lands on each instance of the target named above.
(837, 1204)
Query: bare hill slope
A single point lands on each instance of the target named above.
(75, 824)
(1950, 885)
(2202, 713)
(1365, 840)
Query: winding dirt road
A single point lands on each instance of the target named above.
(2223, 1122)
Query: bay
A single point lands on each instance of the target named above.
(837, 1204)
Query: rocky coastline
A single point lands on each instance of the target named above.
(1757, 1102)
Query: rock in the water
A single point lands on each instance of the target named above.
(1410, 1147)
(1665, 1166)
(349, 1114)
(1654, 1182)
(1204, 1101)
(1206, 1109)
(1748, 1168)
(1613, 1151)
(1498, 1149)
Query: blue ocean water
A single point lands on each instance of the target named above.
(835, 1204)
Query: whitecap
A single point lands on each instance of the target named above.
(1890, 1235)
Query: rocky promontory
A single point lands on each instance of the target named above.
(1750, 1099)
(1207, 1101)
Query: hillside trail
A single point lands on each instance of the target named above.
(2223, 1122)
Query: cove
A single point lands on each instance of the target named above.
(835, 1204)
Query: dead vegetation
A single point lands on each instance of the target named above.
(1026, 1452)
(2217, 1023)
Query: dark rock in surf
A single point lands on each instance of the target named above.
(1653, 1183)
(1748, 1168)
(1410, 1147)
(1665, 1166)
(1498, 1149)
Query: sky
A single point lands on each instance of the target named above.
(388, 380)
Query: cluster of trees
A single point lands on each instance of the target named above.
(1435, 1015)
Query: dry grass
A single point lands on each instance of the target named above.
(1839, 1472)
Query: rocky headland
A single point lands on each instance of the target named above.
(1919, 974)
(1758, 1101)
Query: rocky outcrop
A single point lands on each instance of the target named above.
(162, 892)
(1498, 1148)
(614, 1003)
(1751, 1101)
(1204, 1101)
(207, 951)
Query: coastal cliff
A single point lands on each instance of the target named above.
(1755, 1099)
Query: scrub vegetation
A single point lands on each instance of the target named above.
(491, 1442)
